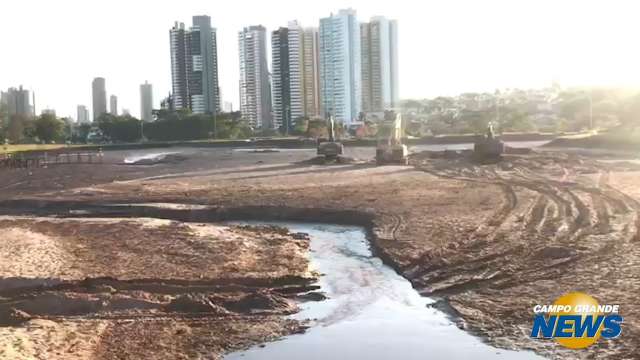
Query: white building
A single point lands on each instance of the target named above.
(379, 43)
(255, 88)
(113, 105)
(83, 115)
(340, 71)
(146, 102)
(295, 76)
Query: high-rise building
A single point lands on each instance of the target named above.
(228, 107)
(311, 72)
(180, 67)
(146, 102)
(49, 112)
(295, 76)
(255, 88)
(203, 87)
(280, 76)
(113, 105)
(194, 66)
(340, 71)
(83, 115)
(17, 102)
(379, 42)
(99, 97)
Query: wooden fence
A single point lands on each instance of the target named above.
(43, 160)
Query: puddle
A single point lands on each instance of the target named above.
(372, 312)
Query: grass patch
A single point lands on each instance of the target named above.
(4, 149)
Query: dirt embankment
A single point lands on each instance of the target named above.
(612, 140)
(109, 288)
(491, 239)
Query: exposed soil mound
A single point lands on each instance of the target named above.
(194, 304)
(259, 302)
(13, 317)
(321, 160)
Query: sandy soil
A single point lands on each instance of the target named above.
(112, 288)
(492, 239)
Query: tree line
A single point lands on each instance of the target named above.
(169, 126)
(46, 128)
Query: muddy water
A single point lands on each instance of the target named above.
(372, 312)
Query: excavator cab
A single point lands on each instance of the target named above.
(330, 148)
(488, 147)
(390, 149)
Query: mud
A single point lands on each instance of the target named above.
(489, 240)
(96, 281)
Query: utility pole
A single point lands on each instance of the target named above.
(287, 120)
(215, 123)
(590, 111)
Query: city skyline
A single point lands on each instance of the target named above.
(439, 55)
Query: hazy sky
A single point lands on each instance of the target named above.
(446, 46)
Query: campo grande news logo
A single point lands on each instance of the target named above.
(576, 321)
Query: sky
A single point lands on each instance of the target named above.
(446, 47)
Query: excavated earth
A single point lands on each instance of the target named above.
(115, 269)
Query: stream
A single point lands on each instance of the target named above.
(371, 311)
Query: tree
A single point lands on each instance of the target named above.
(120, 128)
(514, 120)
(16, 128)
(48, 128)
(412, 105)
(630, 112)
(81, 133)
(4, 122)
(300, 126)
(317, 128)
(233, 126)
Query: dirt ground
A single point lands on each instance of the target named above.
(111, 288)
(492, 240)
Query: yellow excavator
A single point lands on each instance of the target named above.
(390, 149)
(488, 147)
(330, 148)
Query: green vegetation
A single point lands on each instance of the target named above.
(172, 126)
(551, 110)
(49, 129)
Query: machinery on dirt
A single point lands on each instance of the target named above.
(330, 148)
(390, 149)
(488, 147)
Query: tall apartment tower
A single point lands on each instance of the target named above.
(379, 42)
(255, 88)
(99, 97)
(311, 72)
(17, 102)
(295, 74)
(194, 66)
(281, 73)
(146, 102)
(113, 105)
(83, 115)
(340, 66)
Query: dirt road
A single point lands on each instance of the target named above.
(493, 240)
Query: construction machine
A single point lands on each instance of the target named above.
(488, 147)
(330, 148)
(390, 149)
